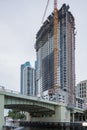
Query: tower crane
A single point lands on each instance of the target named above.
(55, 44)
(45, 10)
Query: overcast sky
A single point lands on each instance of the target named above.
(19, 22)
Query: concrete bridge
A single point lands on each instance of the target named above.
(53, 111)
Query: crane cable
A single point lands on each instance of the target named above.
(45, 11)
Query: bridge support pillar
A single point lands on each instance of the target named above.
(62, 114)
(1, 111)
(73, 117)
(28, 117)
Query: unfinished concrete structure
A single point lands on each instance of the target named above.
(66, 57)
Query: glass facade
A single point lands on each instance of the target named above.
(27, 79)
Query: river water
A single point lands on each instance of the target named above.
(41, 128)
(74, 128)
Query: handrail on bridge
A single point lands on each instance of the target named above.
(2, 88)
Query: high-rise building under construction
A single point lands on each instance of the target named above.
(66, 55)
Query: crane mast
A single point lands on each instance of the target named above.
(55, 44)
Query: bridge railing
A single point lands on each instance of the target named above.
(2, 88)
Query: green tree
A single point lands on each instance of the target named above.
(16, 114)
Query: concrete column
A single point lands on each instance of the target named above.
(78, 116)
(1, 111)
(73, 119)
(62, 114)
(28, 117)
